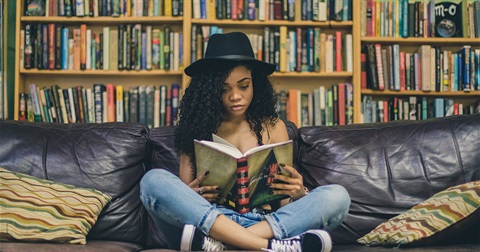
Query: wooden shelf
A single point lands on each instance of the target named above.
(100, 72)
(226, 22)
(313, 74)
(419, 41)
(421, 93)
(103, 20)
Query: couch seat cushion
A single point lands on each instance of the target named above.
(91, 246)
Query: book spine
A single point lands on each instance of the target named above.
(133, 104)
(119, 103)
(80, 102)
(63, 105)
(163, 105)
(35, 103)
(106, 48)
(98, 101)
(243, 196)
(83, 47)
(45, 48)
(58, 47)
(111, 111)
(175, 89)
(56, 101)
(150, 100)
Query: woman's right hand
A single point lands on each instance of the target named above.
(210, 193)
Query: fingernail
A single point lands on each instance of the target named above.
(207, 172)
(269, 184)
(282, 165)
(271, 176)
(218, 188)
(270, 192)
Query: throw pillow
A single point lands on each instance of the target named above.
(455, 208)
(38, 210)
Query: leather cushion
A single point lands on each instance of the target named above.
(108, 157)
(387, 168)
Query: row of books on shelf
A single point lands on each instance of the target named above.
(130, 47)
(323, 106)
(423, 18)
(413, 108)
(95, 8)
(153, 106)
(156, 106)
(428, 69)
(263, 10)
(301, 49)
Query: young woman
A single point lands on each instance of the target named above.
(230, 95)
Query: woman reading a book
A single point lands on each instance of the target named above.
(231, 96)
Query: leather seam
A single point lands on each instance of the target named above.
(457, 151)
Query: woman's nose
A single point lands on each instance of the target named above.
(235, 95)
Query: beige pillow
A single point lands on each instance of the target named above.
(38, 210)
(430, 222)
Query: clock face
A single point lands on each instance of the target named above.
(446, 28)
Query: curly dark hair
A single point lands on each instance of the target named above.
(201, 109)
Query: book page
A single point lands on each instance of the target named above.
(218, 139)
(222, 167)
(228, 148)
(265, 146)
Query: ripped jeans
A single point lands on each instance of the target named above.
(172, 204)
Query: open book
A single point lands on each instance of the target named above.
(243, 178)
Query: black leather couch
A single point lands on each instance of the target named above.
(387, 168)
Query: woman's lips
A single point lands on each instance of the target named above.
(237, 107)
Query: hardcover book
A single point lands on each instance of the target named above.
(243, 178)
(448, 19)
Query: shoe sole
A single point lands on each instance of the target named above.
(187, 238)
(326, 240)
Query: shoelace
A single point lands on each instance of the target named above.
(210, 244)
(293, 245)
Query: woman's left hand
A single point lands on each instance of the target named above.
(293, 185)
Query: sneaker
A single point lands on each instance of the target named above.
(194, 240)
(310, 241)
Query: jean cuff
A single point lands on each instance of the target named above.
(279, 231)
(208, 219)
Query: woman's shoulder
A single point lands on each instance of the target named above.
(277, 130)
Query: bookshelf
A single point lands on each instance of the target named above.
(443, 92)
(304, 81)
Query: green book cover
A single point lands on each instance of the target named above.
(223, 161)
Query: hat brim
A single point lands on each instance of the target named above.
(207, 63)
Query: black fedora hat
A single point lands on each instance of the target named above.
(221, 48)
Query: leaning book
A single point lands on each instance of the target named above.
(243, 179)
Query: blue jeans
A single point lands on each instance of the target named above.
(172, 204)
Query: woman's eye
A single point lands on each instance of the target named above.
(244, 87)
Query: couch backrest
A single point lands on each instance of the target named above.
(387, 168)
(109, 157)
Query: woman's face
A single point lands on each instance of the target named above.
(237, 92)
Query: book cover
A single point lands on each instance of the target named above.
(226, 164)
(448, 19)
